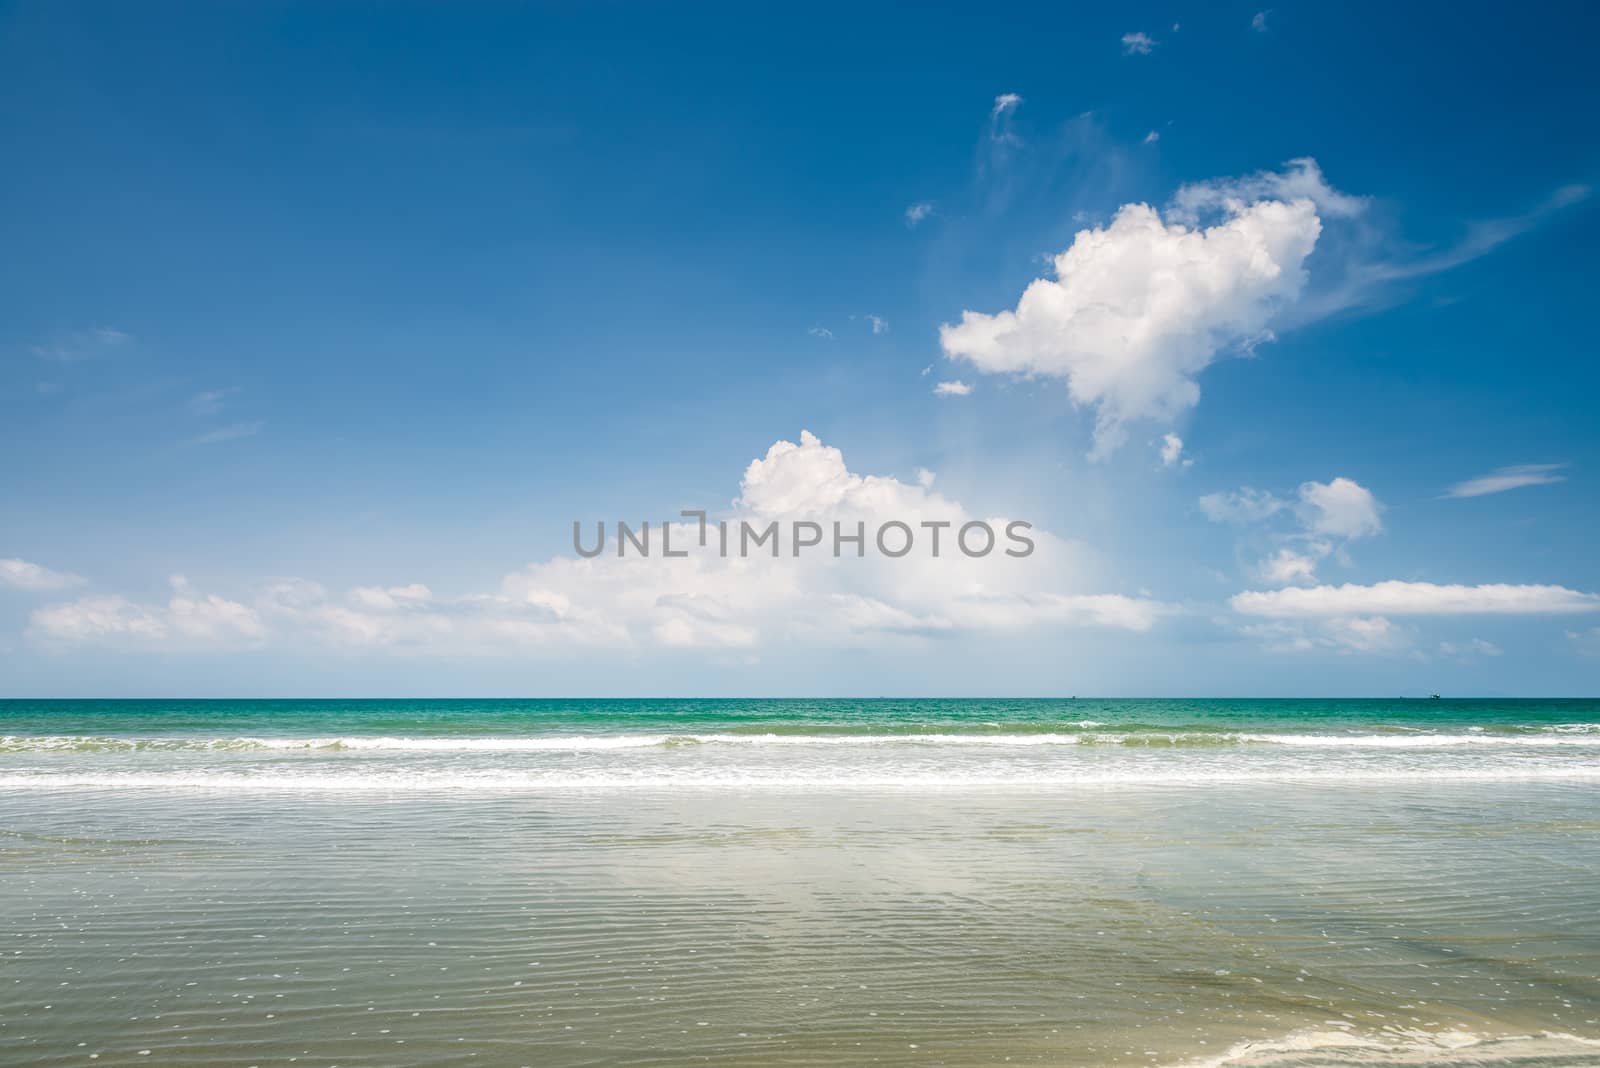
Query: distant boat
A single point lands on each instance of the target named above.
(1433, 697)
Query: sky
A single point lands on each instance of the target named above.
(321, 325)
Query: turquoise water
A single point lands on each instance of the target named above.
(755, 744)
(528, 717)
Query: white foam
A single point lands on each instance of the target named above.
(1404, 1046)
(1561, 735)
(367, 780)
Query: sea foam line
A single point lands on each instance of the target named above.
(499, 781)
(1566, 735)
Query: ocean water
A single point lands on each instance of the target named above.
(552, 883)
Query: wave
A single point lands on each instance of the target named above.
(363, 780)
(1401, 1047)
(1563, 735)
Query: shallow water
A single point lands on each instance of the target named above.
(913, 901)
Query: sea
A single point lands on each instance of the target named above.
(732, 882)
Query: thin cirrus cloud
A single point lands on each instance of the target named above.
(79, 345)
(231, 432)
(1508, 478)
(1398, 598)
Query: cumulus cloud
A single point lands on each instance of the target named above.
(1172, 451)
(1508, 478)
(23, 575)
(703, 600)
(918, 212)
(1342, 508)
(1137, 309)
(954, 388)
(1137, 44)
(1397, 598)
(1289, 566)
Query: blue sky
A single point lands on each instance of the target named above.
(320, 324)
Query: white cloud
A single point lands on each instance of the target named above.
(1005, 107)
(1172, 451)
(207, 617)
(1300, 179)
(1289, 566)
(1137, 44)
(918, 212)
(1152, 137)
(188, 619)
(1258, 22)
(1373, 635)
(1245, 505)
(96, 617)
(1470, 649)
(1139, 308)
(880, 325)
(22, 575)
(1413, 598)
(954, 388)
(1342, 508)
(822, 332)
(1508, 478)
(1005, 104)
(704, 600)
(392, 599)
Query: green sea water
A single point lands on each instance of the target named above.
(675, 883)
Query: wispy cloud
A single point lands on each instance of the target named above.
(231, 432)
(1137, 44)
(918, 212)
(1508, 478)
(1258, 22)
(1000, 131)
(953, 388)
(79, 345)
(209, 402)
(822, 332)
